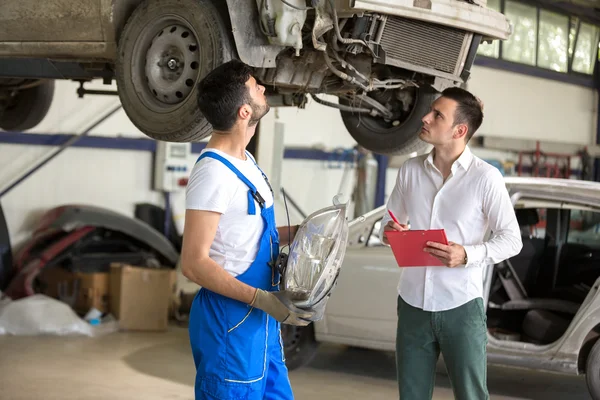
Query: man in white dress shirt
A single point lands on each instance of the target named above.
(440, 309)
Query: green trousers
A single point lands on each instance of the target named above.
(459, 334)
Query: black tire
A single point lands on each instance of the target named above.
(162, 103)
(299, 345)
(380, 136)
(28, 108)
(592, 371)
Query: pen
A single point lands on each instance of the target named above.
(393, 217)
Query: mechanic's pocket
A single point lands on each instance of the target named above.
(246, 342)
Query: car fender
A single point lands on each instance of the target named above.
(72, 217)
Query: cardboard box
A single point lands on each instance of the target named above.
(92, 288)
(140, 297)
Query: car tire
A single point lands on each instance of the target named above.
(28, 108)
(165, 49)
(299, 345)
(380, 136)
(592, 371)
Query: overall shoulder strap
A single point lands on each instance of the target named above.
(252, 192)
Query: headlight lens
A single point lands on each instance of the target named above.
(316, 256)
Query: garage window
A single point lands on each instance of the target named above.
(572, 36)
(586, 49)
(545, 39)
(491, 49)
(553, 41)
(521, 46)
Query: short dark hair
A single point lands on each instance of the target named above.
(222, 92)
(468, 111)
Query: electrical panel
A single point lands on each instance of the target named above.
(171, 166)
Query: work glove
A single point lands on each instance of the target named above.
(279, 306)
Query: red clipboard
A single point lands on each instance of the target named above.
(408, 246)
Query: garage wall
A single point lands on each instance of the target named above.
(525, 107)
(115, 179)
(71, 114)
(517, 106)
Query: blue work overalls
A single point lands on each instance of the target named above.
(238, 349)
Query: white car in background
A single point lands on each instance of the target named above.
(543, 305)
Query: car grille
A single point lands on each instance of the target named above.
(423, 44)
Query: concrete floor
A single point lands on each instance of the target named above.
(125, 366)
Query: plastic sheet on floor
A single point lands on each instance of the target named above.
(43, 315)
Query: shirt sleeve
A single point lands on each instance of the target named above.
(505, 239)
(209, 188)
(395, 203)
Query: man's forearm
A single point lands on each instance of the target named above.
(210, 275)
(497, 249)
(286, 235)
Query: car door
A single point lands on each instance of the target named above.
(50, 21)
(363, 306)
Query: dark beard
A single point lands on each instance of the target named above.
(257, 113)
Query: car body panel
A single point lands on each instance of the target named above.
(72, 217)
(50, 21)
(374, 319)
(362, 309)
(89, 30)
(557, 190)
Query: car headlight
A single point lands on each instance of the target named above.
(316, 256)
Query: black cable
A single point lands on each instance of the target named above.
(288, 217)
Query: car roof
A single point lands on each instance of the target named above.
(557, 190)
(525, 192)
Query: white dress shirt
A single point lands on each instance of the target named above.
(473, 200)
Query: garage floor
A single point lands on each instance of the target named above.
(125, 366)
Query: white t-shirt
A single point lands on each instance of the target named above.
(212, 186)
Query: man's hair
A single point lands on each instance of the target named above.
(222, 92)
(469, 110)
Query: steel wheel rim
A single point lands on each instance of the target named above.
(166, 64)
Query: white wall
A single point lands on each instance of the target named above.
(526, 107)
(115, 179)
(315, 126)
(516, 106)
(71, 114)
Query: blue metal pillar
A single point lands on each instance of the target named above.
(382, 162)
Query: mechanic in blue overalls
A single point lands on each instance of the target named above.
(230, 248)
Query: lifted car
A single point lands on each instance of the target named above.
(384, 60)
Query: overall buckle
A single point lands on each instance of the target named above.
(259, 199)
